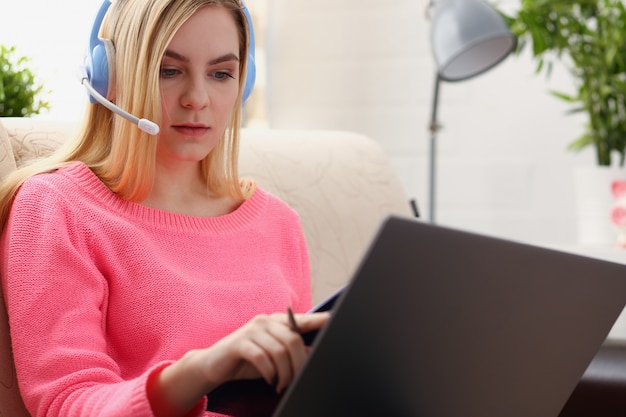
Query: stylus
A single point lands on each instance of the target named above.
(292, 321)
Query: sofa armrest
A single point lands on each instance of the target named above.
(7, 160)
(24, 139)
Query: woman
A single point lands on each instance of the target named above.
(139, 271)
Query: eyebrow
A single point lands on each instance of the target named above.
(218, 60)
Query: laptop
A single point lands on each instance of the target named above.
(438, 322)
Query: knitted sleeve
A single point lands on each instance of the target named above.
(61, 357)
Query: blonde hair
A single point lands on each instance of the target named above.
(120, 154)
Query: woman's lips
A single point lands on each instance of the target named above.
(194, 131)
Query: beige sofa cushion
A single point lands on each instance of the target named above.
(7, 160)
(341, 183)
(23, 139)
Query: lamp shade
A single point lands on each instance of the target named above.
(468, 37)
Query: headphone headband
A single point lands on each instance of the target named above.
(100, 59)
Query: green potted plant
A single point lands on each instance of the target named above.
(589, 37)
(19, 90)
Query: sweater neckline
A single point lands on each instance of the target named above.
(242, 216)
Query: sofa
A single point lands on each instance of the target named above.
(341, 183)
(343, 186)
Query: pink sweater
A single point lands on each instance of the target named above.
(101, 291)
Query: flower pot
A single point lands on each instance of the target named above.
(594, 199)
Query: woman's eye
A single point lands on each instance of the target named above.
(221, 75)
(168, 72)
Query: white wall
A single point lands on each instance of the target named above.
(365, 65)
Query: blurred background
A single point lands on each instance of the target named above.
(366, 66)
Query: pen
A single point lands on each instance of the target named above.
(292, 321)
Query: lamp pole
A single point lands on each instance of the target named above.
(468, 37)
(433, 128)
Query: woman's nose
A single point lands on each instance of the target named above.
(196, 95)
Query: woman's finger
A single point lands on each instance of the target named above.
(313, 321)
(290, 358)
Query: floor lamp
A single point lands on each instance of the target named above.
(468, 37)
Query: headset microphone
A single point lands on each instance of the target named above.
(144, 124)
(98, 73)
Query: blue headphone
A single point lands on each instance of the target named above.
(100, 60)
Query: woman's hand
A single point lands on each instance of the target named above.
(265, 347)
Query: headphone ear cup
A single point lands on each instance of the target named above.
(250, 77)
(101, 68)
(251, 70)
(100, 59)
